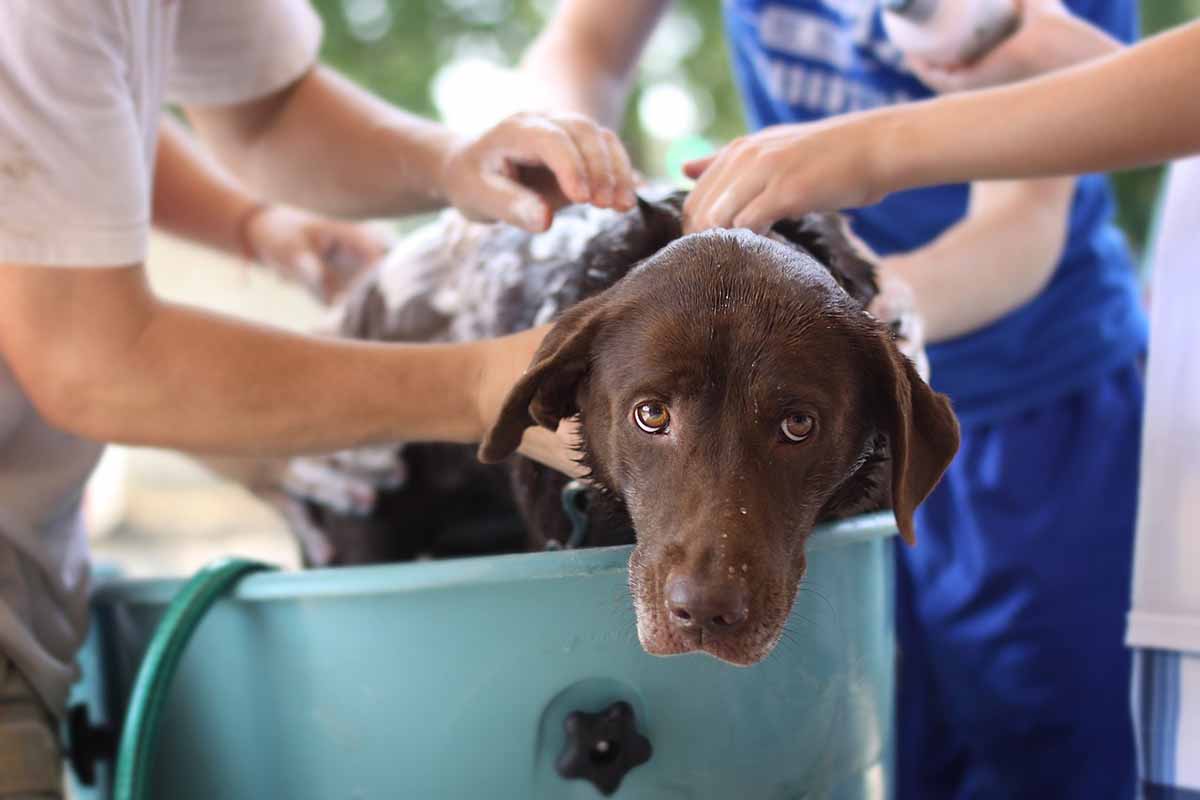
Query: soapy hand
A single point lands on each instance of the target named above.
(320, 254)
(1049, 37)
(896, 307)
(785, 171)
(530, 165)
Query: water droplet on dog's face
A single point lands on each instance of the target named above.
(742, 509)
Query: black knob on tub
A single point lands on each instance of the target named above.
(602, 747)
(88, 744)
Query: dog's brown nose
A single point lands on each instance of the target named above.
(716, 608)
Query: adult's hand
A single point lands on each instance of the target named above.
(1049, 37)
(786, 171)
(323, 255)
(896, 306)
(530, 165)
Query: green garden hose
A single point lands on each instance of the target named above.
(135, 755)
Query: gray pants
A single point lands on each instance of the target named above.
(30, 761)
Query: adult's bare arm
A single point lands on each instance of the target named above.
(1127, 109)
(325, 144)
(997, 258)
(1122, 110)
(584, 59)
(101, 357)
(196, 199)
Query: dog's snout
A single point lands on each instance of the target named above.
(716, 608)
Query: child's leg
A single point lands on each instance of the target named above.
(1018, 587)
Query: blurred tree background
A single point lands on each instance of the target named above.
(453, 59)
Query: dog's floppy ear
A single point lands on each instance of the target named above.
(546, 394)
(663, 217)
(921, 428)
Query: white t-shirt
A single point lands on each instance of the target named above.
(1166, 595)
(82, 85)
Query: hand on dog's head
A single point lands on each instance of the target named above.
(731, 393)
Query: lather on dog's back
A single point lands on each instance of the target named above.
(732, 392)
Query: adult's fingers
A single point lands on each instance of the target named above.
(695, 168)
(1001, 65)
(601, 172)
(348, 246)
(504, 199)
(942, 80)
(626, 179)
(710, 186)
(346, 251)
(305, 265)
(761, 212)
(698, 198)
(720, 209)
(541, 143)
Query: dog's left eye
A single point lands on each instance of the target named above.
(652, 417)
(797, 427)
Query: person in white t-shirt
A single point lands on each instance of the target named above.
(88, 354)
(194, 199)
(1127, 106)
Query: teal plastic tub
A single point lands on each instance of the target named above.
(454, 679)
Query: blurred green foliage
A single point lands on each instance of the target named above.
(397, 47)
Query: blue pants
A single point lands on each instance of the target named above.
(1013, 675)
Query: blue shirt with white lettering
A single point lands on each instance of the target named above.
(799, 60)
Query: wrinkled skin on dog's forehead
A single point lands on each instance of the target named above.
(733, 334)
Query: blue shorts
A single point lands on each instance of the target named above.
(1014, 681)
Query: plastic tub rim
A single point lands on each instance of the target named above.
(449, 573)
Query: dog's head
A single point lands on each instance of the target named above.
(730, 391)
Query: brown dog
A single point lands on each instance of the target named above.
(732, 393)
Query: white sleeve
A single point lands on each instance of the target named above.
(230, 51)
(74, 177)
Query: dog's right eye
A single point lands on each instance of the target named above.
(652, 417)
(797, 427)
